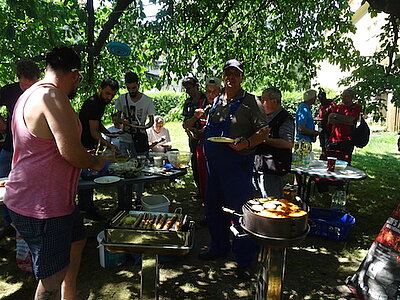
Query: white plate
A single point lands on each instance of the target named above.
(221, 139)
(107, 179)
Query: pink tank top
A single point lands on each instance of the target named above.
(42, 184)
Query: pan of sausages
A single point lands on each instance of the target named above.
(149, 228)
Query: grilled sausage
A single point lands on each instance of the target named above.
(138, 221)
(170, 222)
(160, 224)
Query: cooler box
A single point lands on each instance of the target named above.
(330, 223)
(158, 203)
(107, 258)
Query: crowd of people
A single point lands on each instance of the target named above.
(48, 135)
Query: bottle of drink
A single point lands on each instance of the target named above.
(339, 200)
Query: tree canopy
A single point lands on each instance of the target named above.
(280, 42)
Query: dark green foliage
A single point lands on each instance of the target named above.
(169, 104)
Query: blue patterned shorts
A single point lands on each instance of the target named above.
(49, 240)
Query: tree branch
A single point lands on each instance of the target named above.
(217, 24)
(90, 34)
(393, 49)
(108, 26)
(391, 7)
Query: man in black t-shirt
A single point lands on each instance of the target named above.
(28, 73)
(90, 115)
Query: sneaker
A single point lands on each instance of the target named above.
(208, 255)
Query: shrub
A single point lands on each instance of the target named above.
(169, 104)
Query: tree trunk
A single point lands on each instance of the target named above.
(391, 7)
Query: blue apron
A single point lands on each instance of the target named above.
(229, 184)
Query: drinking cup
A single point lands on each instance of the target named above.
(331, 163)
(158, 161)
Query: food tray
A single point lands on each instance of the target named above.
(330, 223)
(117, 232)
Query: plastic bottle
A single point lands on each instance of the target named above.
(23, 254)
(339, 200)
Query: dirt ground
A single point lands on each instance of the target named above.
(316, 269)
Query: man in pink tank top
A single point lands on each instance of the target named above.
(48, 156)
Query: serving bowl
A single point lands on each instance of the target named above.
(129, 169)
(179, 159)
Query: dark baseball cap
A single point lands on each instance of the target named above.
(190, 81)
(233, 63)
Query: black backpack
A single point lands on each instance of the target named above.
(360, 136)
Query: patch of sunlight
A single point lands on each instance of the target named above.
(125, 273)
(316, 250)
(343, 259)
(187, 267)
(7, 289)
(168, 274)
(241, 293)
(229, 265)
(114, 291)
(188, 288)
(211, 274)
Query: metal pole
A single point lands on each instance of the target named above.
(271, 273)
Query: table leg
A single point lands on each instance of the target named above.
(150, 277)
(308, 190)
(125, 196)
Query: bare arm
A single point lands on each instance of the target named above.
(147, 125)
(307, 131)
(257, 138)
(54, 118)
(96, 134)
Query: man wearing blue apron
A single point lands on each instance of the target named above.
(239, 115)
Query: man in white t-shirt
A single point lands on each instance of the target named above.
(134, 108)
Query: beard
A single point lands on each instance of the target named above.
(133, 94)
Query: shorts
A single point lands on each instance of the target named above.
(49, 240)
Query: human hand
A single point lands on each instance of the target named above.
(198, 113)
(239, 144)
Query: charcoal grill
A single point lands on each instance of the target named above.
(150, 243)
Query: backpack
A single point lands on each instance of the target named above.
(360, 136)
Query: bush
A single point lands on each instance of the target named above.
(291, 100)
(169, 104)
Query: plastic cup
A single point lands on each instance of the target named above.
(331, 163)
(158, 160)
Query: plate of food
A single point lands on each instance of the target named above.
(221, 139)
(107, 179)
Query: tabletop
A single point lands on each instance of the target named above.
(125, 185)
(318, 169)
(147, 175)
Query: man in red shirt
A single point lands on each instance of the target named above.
(343, 120)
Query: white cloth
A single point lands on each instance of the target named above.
(140, 110)
(153, 136)
(115, 140)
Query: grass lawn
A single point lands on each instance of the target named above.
(316, 269)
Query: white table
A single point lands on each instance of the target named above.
(318, 169)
